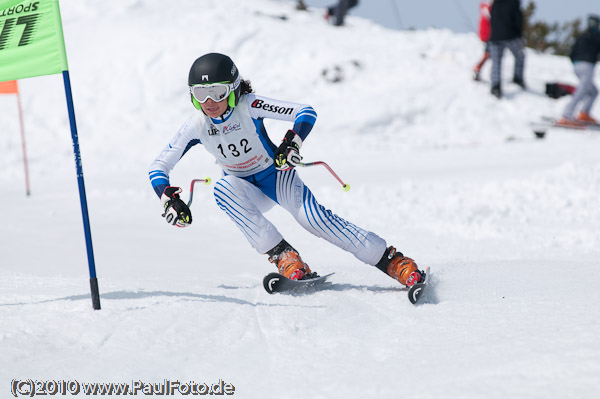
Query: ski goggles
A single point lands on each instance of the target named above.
(215, 91)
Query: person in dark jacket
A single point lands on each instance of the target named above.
(584, 55)
(339, 11)
(507, 32)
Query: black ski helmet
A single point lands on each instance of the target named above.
(215, 68)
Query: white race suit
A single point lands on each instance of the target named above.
(251, 185)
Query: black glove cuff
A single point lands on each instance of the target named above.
(172, 192)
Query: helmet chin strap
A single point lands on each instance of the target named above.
(224, 113)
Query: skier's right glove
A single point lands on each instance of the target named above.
(287, 155)
(177, 212)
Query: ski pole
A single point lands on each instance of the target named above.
(345, 186)
(206, 181)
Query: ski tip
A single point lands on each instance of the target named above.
(415, 292)
(270, 282)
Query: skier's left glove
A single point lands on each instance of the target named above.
(177, 212)
(287, 155)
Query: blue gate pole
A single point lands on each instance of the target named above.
(82, 196)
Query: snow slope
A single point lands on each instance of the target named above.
(438, 167)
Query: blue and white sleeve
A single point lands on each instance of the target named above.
(171, 154)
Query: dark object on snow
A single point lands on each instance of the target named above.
(339, 11)
(340, 72)
(300, 6)
(557, 90)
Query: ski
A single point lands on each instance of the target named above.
(585, 126)
(281, 17)
(415, 292)
(547, 122)
(275, 282)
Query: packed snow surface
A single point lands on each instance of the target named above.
(451, 176)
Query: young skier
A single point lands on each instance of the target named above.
(258, 174)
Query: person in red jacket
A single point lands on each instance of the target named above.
(485, 31)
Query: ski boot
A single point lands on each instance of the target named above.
(289, 263)
(400, 267)
(520, 82)
(585, 118)
(497, 91)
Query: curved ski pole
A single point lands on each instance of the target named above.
(206, 181)
(345, 186)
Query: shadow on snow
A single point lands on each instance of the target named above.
(121, 295)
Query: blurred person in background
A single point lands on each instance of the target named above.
(301, 6)
(485, 30)
(584, 55)
(339, 11)
(507, 32)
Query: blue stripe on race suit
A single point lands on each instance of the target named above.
(350, 228)
(302, 129)
(159, 180)
(160, 189)
(307, 119)
(229, 201)
(264, 138)
(306, 115)
(265, 181)
(321, 217)
(336, 225)
(321, 221)
(157, 175)
(288, 179)
(242, 226)
(317, 219)
(220, 183)
(304, 122)
(189, 145)
(307, 110)
(226, 203)
(283, 188)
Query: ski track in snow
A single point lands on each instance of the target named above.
(451, 176)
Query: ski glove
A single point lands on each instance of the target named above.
(287, 155)
(177, 212)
